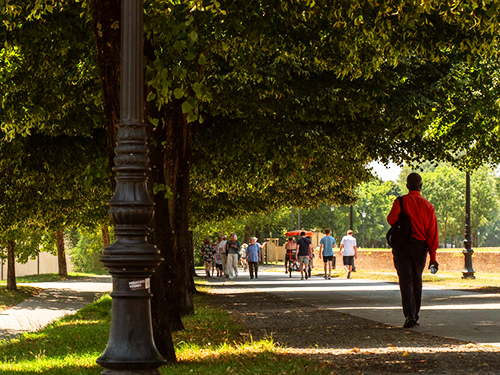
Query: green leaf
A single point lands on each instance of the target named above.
(186, 107)
(198, 88)
(193, 35)
(178, 93)
(202, 59)
(151, 96)
(154, 121)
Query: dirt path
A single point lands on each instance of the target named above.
(349, 344)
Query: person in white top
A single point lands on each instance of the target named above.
(348, 251)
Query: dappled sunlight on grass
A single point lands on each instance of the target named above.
(39, 362)
(69, 346)
(189, 352)
(260, 357)
(10, 298)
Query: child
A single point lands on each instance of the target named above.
(218, 262)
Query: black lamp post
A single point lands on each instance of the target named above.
(363, 214)
(291, 218)
(332, 208)
(468, 271)
(351, 217)
(131, 260)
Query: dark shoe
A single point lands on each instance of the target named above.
(349, 274)
(410, 323)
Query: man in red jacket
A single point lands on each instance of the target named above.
(410, 259)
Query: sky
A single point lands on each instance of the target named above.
(386, 174)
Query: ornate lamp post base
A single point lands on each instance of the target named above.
(131, 260)
(468, 271)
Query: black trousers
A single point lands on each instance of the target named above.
(410, 264)
(253, 266)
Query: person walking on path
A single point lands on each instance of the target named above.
(218, 261)
(254, 255)
(409, 260)
(233, 249)
(305, 250)
(326, 246)
(348, 251)
(208, 252)
(223, 253)
(291, 252)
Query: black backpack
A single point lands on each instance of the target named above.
(400, 232)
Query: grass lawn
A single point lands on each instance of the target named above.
(10, 298)
(211, 344)
(484, 282)
(47, 277)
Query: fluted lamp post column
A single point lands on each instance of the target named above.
(468, 271)
(131, 260)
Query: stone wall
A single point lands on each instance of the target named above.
(45, 263)
(453, 260)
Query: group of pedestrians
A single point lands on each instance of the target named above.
(409, 257)
(303, 252)
(348, 252)
(226, 254)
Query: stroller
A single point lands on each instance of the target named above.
(293, 263)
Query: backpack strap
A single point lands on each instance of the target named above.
(400, 199)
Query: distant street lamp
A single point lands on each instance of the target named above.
(291, 218)
(351, 217)
(363, 214)
(131, 260)
(332, 208)
(468, 271)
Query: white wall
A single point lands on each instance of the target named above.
(45, 263)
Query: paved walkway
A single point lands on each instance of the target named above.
(467, 316)
(57, 300)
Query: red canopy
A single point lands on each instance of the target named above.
(297, 232)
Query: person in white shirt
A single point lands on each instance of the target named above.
(348, 251)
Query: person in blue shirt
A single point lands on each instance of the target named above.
(326, 246)
(254, 256)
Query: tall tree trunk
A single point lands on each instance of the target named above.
(106, 25)
(474, 238)
(177, 168)
(165, 316)
(11, 266)
(444, 235)
(105, 236)
(61, 254)
(165, 229)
